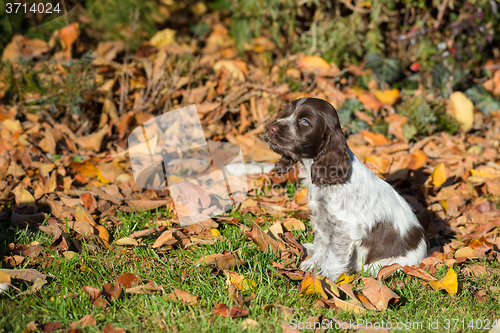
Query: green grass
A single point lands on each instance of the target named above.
(62, 299)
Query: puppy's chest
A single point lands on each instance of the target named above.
(324, 207)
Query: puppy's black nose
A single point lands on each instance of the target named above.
(273, 129)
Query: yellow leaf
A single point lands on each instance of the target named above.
(239, 281)
(464, 109)
(312, 62)
(215, 232)
(317, 284)
(387, 96)
(311, 285)
(438, 176)
(344, 279)
(163, 37)
(23, 196)
(481, 173)
(448, 282)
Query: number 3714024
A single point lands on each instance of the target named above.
(18, 7)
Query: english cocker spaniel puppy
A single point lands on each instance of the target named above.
(360, 221)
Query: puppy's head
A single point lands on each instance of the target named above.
(309, 128)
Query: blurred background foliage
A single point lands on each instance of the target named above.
(429, 32)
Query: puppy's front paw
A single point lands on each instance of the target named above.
(309, 264)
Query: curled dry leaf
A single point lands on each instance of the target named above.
(232, 312)
(126, 241)
(183, 296)
(240, 282)
(388, 270)
(379, 294)
(264, 241)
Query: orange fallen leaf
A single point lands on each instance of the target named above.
(232, 312)
(417, 160)
(396, 122)
(369, 101)
(376, 138)
(380, 163)
(313, 62)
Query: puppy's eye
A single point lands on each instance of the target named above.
(303, 121)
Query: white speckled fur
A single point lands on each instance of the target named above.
(343, 213)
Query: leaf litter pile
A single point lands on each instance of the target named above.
(67, 192)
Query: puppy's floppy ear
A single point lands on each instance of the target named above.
(332, 165)
(284, 165)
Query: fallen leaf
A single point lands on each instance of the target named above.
(317, 284)
(379, 294)
(264, 241)
(464, 109)
(448, 282)
(374, 138)
(343, 278)
(232, 312)
(183, 296)
(438, 176)
(126, 241)
(417, 160)
(388, 270)
(313, 62)
(127, 280)
(387, 96)
(87, 320)
(284, 312)
(163, 37)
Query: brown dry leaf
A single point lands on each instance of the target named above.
(147, 288)
(147, 204)
(369, 101)
(396, 122)
(24, 47)
(83, 215)
(478, 270)
(293, 224)
(109, 328)
(111, 291)
(264, 241)
(163, 239)
(183, 296)
(438, 176)
(379, 294)
(127, 280)
(388, 270)
(28, 275)
(83, 228)
(87, 320)
(126, 241)
(291, 273)
(93, 141)
(232, 312)
(471, 253)
(448, 282)
(232, 67)
(417, 160)
(417, 272)
(285, 313)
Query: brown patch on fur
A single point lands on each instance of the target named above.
(383, 241)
